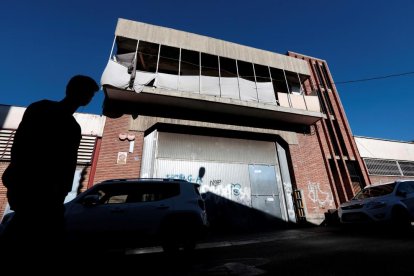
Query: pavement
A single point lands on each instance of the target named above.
(218, 240)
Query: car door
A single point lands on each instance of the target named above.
(107, 215)
(149, 205)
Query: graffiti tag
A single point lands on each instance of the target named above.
(182, 176)
(316, 195)
(235, 189)
(215, 182)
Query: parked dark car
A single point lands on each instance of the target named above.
(129, 213)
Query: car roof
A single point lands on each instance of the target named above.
(145, 180)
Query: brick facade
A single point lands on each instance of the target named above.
(111, 145)
(335, 136)
(3, 190)
(311, 177)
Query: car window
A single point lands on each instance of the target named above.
(406, 187)
(112, 196)
(375, 191)
(135, 192)
(153, 192)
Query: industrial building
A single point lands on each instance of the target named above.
(386, 160)
(267, 131)
(265, 134)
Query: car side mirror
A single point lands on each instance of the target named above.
(90, 200)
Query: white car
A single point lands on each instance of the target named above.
(389, 203)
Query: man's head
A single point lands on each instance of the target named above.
(81, 89)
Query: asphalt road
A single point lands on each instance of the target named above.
(304, 251)
(310, 251)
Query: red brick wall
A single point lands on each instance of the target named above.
(343, 185)
(107, 167)
(3, 199)
(311, 177)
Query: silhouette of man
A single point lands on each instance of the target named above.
(43, 162)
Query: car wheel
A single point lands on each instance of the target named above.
(170, 246)
(400, 219)
(179, 233)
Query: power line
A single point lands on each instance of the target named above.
(375, 78)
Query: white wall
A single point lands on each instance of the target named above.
(91, 124)
(385, 149)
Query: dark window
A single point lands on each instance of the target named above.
(228, 68)
(112, 195)
(406, 187)
(190, 63)
(147, 56)
(125, 52)
(293, 82)
(125, 45)
(153, 192)
(278, 79)
(209, 65)
(262, 73)
(128, 193)
(246, 70)
(374, 191)
(169, 60)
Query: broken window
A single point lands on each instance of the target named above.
(264, 84)
(279, 86)
(210, 82)
(169, 60)
(293, 83)
(189, 71)
(247, 81)
(119, 71)
(228, 78)
(147, 56)
(125, 51)
(168, 67)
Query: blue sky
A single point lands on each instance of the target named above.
(44, 43)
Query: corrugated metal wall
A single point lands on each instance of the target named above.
(85, 151)
(148, 154)
(194, 147)
(224, 161)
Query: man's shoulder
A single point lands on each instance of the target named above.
(42, 104)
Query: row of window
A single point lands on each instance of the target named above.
(389, 167)
(152, 57)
